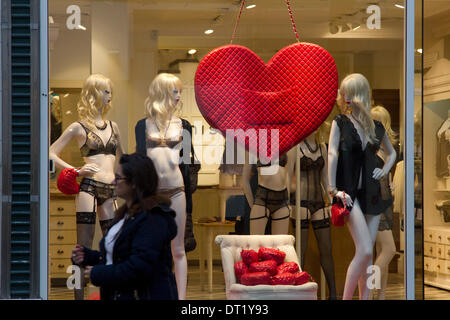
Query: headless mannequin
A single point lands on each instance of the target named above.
(166, 160)
(319, 217)
(99, 167)
(363, 228)
(274, 178)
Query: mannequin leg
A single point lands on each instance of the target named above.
(372, 225)
(177, 244)
(85, 230)
(359, 231)
(304, 230)
(106, 214)
(323, 236)
(258, 225)
(385, 252)
(280, 221)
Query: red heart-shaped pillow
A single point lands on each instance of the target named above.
(294, 93)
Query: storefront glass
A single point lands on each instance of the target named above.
(130, 42)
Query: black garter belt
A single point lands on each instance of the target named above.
(101, 191)
(272, 201)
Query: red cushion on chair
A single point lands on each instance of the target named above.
(269, 266)
(283, 279)
(67, 181)
(291, 267)
(293, 93)
(253, 279)
(301, 278)
(240, 268)
(271, 254)
(249, 256)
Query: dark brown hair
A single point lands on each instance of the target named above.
(139, 171)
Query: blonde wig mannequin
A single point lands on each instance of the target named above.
(381, 114)
(385, 244)
(160, 104)
(355, 92)
(91, 97)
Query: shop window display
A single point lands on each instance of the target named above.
(131, 42)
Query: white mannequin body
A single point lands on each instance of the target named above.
(363, 228)
(277, 181)
(355, 95)
(98, 167)
(161, 104)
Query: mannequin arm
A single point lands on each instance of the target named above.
(391, 155)
(333, 145)
(290, 168)
(324, 174)
(246, 176)
(119, 152)
(55, 149)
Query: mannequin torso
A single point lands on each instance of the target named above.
(166, 158)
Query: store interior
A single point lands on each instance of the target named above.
(132, 41)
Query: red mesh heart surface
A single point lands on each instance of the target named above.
(294, 93)
(269, 266)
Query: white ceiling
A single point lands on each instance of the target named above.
(181, 23)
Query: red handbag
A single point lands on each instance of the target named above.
(67, 181)
(338, 213)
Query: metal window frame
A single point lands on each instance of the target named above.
(409, 41)
(43, 152)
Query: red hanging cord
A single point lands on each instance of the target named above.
(290, 14)
(292, 20)
(237, 21)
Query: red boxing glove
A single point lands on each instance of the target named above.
(240, 268)
(249, 256)
(301, 278)
(283, 279)
(271, 254)
(290, 267)
(253, 279)
(269, 266)
(67, 181)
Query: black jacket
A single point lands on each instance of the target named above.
(142, 258)
(184, 168)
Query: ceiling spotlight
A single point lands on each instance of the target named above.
(192, 51)
(209, 31)
(399, 6)
(334, 28)
(50, 20)
(251, 6)
(420, 51)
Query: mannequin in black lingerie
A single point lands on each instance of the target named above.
(270, 203)
(99, 143)
(314, 202)
(353, 176)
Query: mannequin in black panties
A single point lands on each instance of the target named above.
(314, 202)
(99, 142)
(270, 203)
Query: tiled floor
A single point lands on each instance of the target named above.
(395, 289)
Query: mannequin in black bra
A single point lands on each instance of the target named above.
(99, 142)
(271, 199)
(313, 202)
(164, 139)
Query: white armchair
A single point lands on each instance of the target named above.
(231, 247)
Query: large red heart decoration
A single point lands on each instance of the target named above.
(294, 93)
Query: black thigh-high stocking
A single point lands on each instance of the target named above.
(322, 232)
(85, 236)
